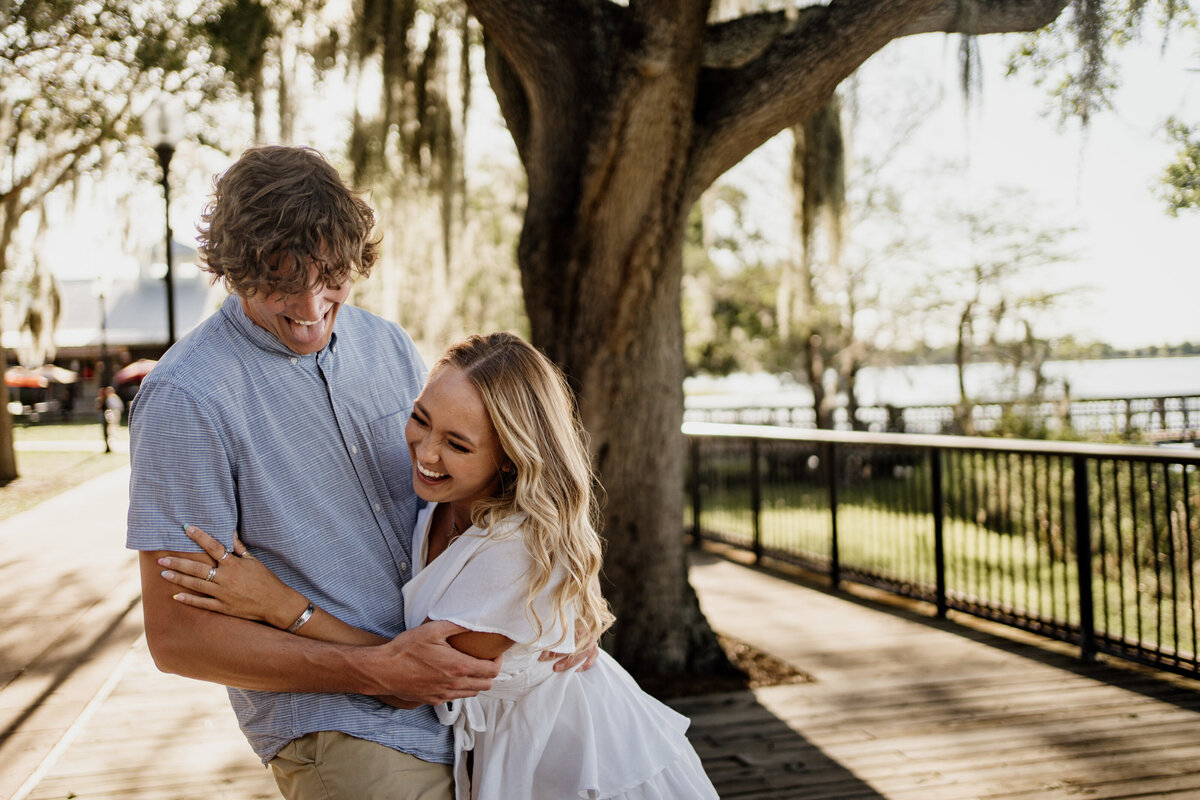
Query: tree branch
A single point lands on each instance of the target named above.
(543, 56)
(791, 77)
(766, 72)
(978, 17)
(550, 45)
(733, 43)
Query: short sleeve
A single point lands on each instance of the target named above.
(180, 472)
(490, 595)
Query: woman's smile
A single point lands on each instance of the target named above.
(429, 475)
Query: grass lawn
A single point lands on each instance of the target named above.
(53, 457)
(1007, 572)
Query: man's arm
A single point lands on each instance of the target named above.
(418, 666)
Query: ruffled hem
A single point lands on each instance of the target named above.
(593, 735)
(682, 779)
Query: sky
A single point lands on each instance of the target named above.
(1142, 261)
(1138, 262)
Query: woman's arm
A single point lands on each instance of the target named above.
(244, 587)
(480, 645)
(418, 666)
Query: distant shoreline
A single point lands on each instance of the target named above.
(936, 384)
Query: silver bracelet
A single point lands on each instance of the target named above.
(304, 617)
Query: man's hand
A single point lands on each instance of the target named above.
(421, 667)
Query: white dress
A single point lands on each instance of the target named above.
(539, 734)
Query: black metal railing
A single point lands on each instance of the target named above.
(1091, 544)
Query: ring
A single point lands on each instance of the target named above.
(212, 573)
(222, 558)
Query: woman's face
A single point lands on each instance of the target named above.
(456, 454)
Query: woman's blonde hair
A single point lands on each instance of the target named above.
(552, 483)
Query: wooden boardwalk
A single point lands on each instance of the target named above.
(903, 707)
(908, 708)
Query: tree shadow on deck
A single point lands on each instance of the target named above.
(1156, 684)
(751, 754)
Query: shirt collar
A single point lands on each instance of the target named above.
(235, 312)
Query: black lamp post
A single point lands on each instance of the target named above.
(100, 290)
(100, 287)
(162, 126)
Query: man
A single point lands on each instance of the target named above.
(282, 417)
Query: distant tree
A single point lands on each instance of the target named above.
(409, 144)
(851, 230)
(729, 313)
(75, 78)
(409, 65)
(1181, 179)
(991, 296)
(815, 324)
(1075, 57)
(39, 308)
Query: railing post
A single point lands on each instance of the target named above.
(1083, 560)
(938, 503)
(756, 500)
(694, 473)
(829, 454)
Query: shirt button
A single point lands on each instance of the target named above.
(376, 506)
(293, 359)
(354, 449)
(404, 566)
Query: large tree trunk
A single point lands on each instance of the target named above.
(8, 456)
(622, 115)
(601, 265)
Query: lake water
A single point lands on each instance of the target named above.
(937, 384)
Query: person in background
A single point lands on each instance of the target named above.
(109, 408)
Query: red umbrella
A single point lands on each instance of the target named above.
(133, 373)
(55, 374)
(24, 378)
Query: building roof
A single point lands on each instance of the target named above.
(135, 311)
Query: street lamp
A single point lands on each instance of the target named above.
(100, 288)
(164, 128)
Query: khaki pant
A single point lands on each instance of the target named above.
(329, 765)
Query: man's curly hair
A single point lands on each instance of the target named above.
(278, 208)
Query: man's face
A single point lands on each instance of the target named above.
(302, 322)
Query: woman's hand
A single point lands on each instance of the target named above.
(565, 661)
(240, 586)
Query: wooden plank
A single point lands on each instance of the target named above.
(922, 712)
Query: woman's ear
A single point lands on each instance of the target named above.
(508, 477)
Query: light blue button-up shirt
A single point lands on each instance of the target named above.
(305, 456)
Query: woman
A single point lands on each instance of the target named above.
(508, 549)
